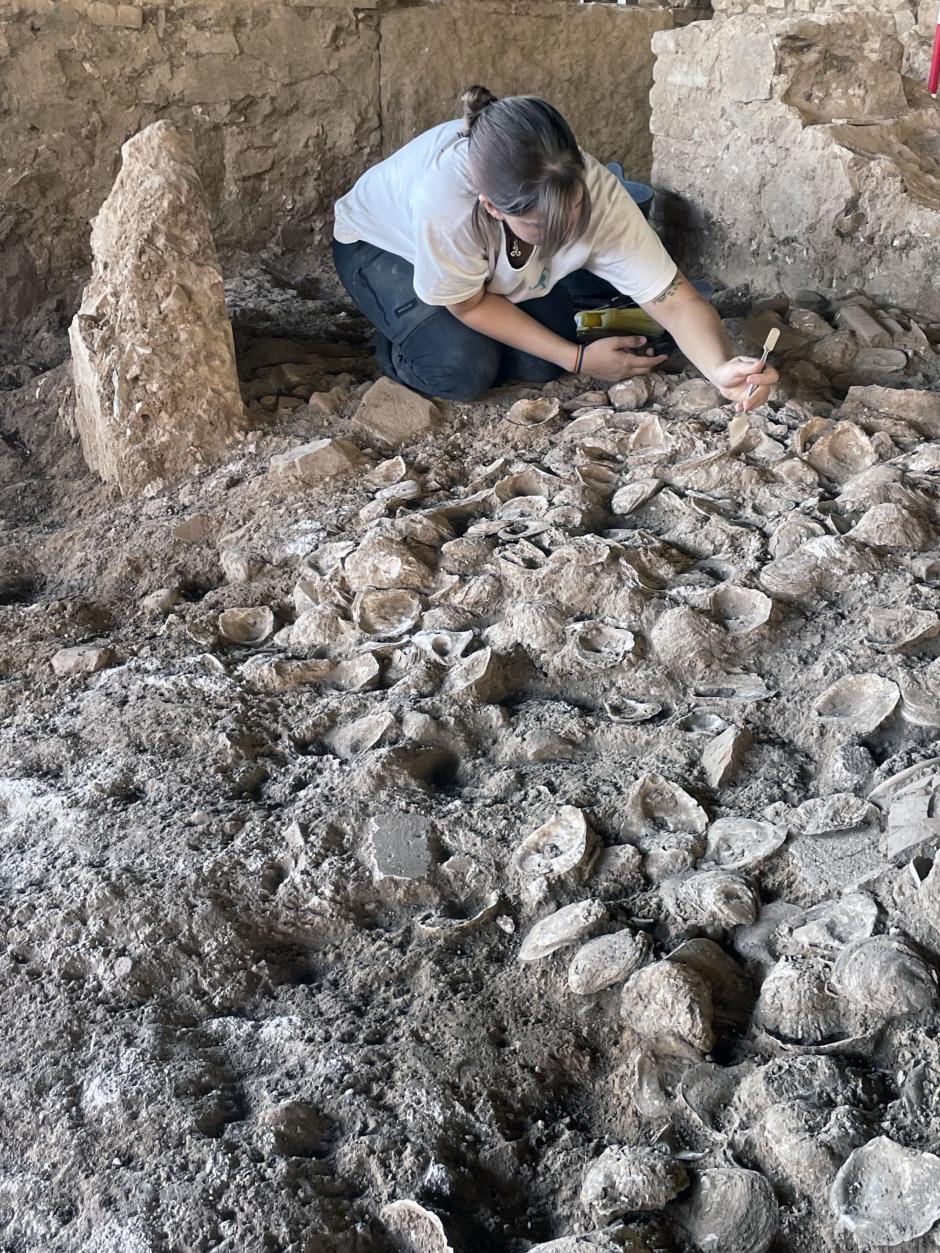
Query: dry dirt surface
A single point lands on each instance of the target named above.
(521, 837)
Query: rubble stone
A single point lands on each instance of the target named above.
(153, 359)
(320, 460)
(83, 659)
(395, 415)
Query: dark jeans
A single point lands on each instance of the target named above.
(427, 348)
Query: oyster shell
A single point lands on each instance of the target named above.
(607, 960)
(656, 804)
(715, 900)
(842, 811)
(740, 610)
(631, 1181)
(702, 722)
(634, 494)
(886, 975)
(739, 843)
(824, 930)
(670, 853)
(668, 998)
(801, 1145)
(535, 412)
(354, 738)
(447, 647)
(599, 645)
(886, 1195)
(897, 629)
(822, 564)
(250, 625)
(478, 676)
(686, 639)
(732, 997)
(564, 926)
(654, 1071)
(894, 528)
(841, 452)
(386, 614)
(562, 846)
(631, 711)
(796, 1002)
(793, 532)
(319, 631)
(381, 562)
(920, 696)
(860, 702)
(538, 626)
(731, 1211)
(443, 927)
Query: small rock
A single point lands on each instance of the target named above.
(239, 566)
(722, 756)
(328, 404)
(83, 659)
(250, 625)
(395, 415)
(358, 737)
(162, 601)
(320, 460)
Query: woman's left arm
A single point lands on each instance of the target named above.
(697, 329)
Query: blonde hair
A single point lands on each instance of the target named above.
(525, 159)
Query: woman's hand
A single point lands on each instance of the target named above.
(614, 360)
(734, 377)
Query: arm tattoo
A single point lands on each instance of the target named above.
(670, 291)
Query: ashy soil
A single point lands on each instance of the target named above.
(263, 903)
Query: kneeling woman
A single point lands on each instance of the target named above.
(457, 248)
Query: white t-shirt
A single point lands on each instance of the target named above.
(419, 202)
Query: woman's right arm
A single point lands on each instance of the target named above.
(611, 359)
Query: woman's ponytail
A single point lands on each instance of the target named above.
(474, 100)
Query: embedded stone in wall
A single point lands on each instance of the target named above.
(153, 358)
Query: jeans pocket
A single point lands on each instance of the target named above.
(386, 283)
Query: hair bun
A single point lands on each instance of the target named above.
(474, 100)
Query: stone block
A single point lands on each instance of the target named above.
(395, 415)
(153, 358)
(83, 659)
(320, 460)
(127, 15)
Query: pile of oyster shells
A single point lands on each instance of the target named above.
(647, 555)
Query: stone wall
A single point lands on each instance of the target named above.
(288, 101)
(593, 61)
(914, 20)
(794, 153)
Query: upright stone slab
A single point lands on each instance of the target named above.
(153, 358)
